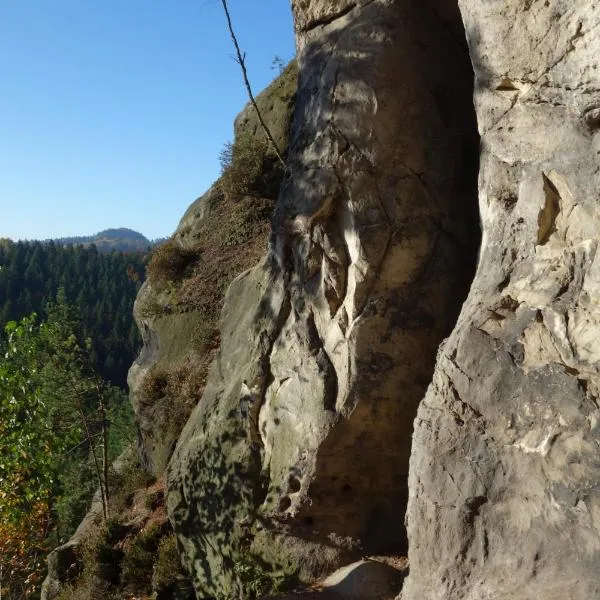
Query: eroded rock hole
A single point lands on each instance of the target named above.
(284, 504)
(294, 485)
(549, 212)
(507, 85)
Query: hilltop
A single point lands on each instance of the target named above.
(121, 239)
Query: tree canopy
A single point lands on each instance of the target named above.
(55, 414)
(101, 286)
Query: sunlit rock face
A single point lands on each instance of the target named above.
(220, 236)
(297, 454)
(504, 474)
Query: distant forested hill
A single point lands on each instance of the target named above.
(101, 285)
(121, 239)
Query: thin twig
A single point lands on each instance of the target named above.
(95, 457)
(241, 60)
(102, 410)
(82, 443)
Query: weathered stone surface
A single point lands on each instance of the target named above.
(297, 454)
(365, 580)
(504, 476)
(173, 321)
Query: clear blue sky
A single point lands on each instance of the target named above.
(113, 112)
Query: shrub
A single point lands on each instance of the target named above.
(150, 308)
(110, 572)
(101, 559)
(153, 386)
(138, 562)
(257, 580)
(185, 385)
(170, 262)
(167, 570)
(86, 592)
(174, 392)
(242, 164)
(206, 337)
(131, 477)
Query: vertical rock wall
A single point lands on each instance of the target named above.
(505, 474)
(297, 453)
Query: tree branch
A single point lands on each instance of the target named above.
(241, 60)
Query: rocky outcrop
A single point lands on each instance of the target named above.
(504, 475)
(222, 234)
(296, 457)
(64, 561)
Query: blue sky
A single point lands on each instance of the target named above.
(113, 112)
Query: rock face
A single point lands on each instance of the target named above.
(504, 474)
(296, 457)
(63, 561)
(177, 308)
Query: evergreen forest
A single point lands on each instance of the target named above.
(101, 286)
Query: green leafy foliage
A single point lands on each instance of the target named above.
(30, 432)
(50, 434)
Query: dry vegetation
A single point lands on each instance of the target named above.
(134, 553)
(169, 262)
(175, 391)
(233, 239)
(243, 164)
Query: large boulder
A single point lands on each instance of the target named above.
(296, 458)
(505, 475)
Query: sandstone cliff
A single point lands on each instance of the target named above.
(504, 476)
(295, 460)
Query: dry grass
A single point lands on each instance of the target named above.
(234, 238)
(174, 392)
(242, 165)
(122, 557)
(169, 262)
